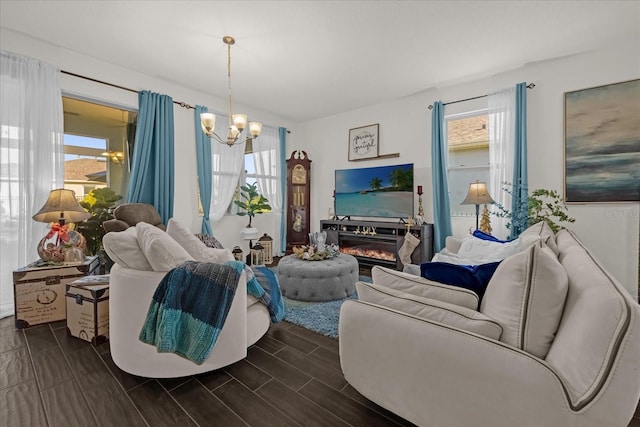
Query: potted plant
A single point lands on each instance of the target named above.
(251, 204)
(542, 205)
(99, 203)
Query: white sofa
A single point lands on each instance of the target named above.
(130, 294)
(143, 254)
(434, 371)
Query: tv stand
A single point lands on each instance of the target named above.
(378, 242)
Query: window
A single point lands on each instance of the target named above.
(468, 156)
(249, 175)
(97, 146)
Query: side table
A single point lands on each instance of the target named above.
(39, 290)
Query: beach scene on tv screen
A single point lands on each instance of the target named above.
(383, 191)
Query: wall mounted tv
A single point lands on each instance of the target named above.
(382, 191)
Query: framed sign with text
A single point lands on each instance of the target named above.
(364, 142)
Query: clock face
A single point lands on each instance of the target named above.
(298, 175)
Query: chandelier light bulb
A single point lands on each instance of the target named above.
(208, 123)
(255, 128)
(240, 121)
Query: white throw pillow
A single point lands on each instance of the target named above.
(417, 285)
(123, 249)
(485, 251)
(194, 246)
(526, 295)
(430, 309)
(162, 251)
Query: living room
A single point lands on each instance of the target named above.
(582, 60)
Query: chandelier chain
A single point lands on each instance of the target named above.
(229, 82)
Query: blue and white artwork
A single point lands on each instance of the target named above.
(602, 143)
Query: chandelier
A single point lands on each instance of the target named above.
(237, 122)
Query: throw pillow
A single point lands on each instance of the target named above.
(485, 236)
(425, 308)
(478, 251)
(123, 249)
(420, 286)
(209, 241)
(162, 251)
(194, 246)
(472, 277)
(526, 295)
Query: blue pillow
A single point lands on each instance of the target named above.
(472, 277)
(484, 236)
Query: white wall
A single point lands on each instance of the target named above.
(227, 230)
(610, 230)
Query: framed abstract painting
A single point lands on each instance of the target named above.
(602, 143)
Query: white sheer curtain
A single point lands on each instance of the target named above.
(226, 165)
(266, 156)
(501, 148)
(31, 160)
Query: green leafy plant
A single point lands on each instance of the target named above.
(542, 205)
(252, 202)
(99, 203)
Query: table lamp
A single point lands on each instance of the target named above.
(477, 195)
(60, 207)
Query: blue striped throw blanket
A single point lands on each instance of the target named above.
(189, 308)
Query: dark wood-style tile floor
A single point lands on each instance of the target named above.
(291, 377)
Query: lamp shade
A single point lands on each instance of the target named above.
(478, 194)
(61, 206)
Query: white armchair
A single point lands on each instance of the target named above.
(434, 372)
(130, 293)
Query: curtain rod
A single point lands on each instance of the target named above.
(529, 86)
(182, 104)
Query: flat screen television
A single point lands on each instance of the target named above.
(381, 191)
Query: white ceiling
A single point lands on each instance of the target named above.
(309, 59)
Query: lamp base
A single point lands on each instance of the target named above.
(53, 249)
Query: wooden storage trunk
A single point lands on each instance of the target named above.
(88, 309)
(39, 290)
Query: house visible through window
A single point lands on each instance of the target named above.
(97, 146)
(468, 156)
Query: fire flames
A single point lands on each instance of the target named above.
(368, 253)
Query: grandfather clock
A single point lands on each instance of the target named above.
(298, 199)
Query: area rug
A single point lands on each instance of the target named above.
(321, 317)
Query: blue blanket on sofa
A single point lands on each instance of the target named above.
(191, 303)
(189, 308)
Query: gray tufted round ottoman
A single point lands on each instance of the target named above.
(318, 280)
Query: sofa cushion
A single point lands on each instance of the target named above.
(123, 249)
(472, 277)
(420, 286)
(162, 251)
(535, 232)
(526, 295)
(194, 246)
(550, 241)
(430, 309)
